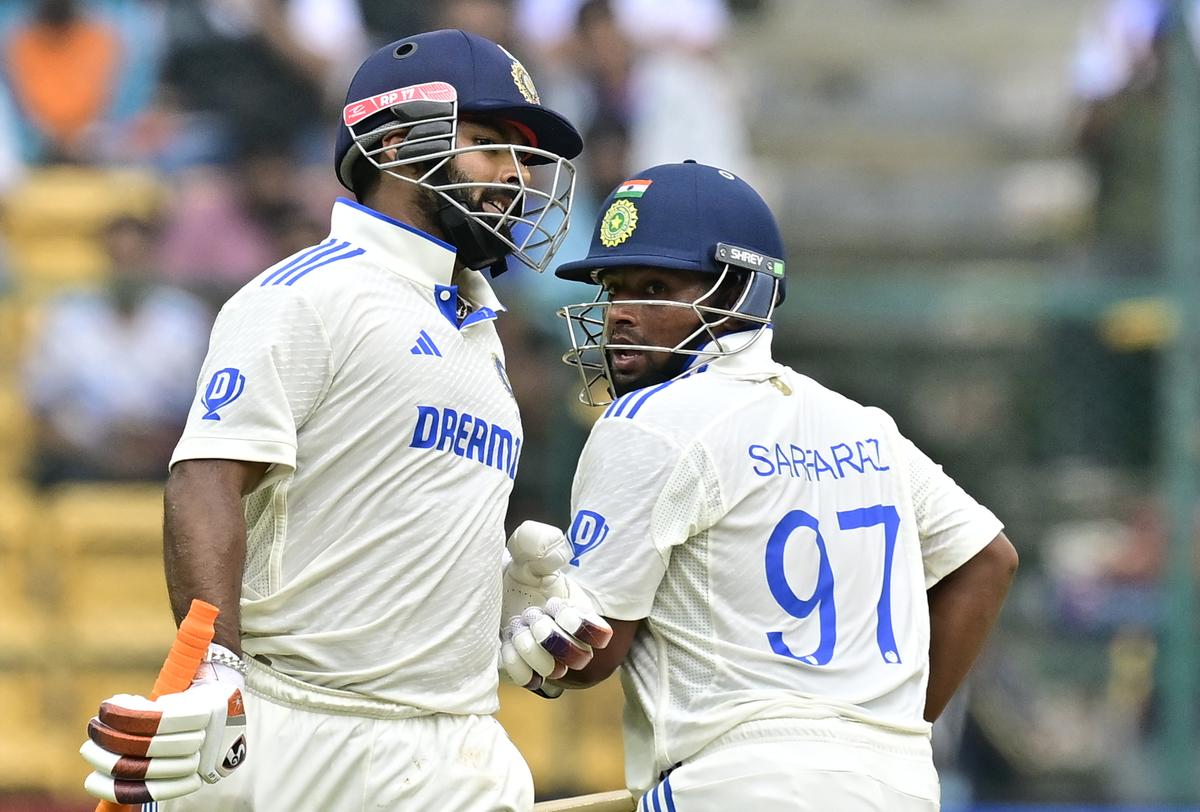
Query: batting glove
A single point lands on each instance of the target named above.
(548, 624)
(144, 750)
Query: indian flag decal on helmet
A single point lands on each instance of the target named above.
(633, 188)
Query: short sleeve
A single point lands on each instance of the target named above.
(636, 496)
(953, 527)
(269, 363)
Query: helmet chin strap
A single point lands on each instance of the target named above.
(477, 247)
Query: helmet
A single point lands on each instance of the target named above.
(687, 217)
(424, 85)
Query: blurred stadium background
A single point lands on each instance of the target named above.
(990, 207)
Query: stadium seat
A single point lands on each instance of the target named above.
(595, 715)
(69, 261)
(585, 724)
(18, 510)
(52, 235)
(15, 431)
(530, 722)
(116, 518)
(36, 752)
(23, 619)
(26, 593)
(11, 333)
(115, 610)
(60, 200)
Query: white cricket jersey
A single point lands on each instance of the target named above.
(778, 538)
(374, 542)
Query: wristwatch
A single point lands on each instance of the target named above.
(222, 656)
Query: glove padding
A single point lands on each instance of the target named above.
(548, 625)
(144, 750)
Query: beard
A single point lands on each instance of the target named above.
(471, 199)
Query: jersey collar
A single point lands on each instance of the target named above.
(752, 359)
(402, 248)
(410, 252)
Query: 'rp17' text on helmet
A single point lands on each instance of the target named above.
(423, 86)
(684, 217)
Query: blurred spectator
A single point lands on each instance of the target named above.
(122, 136)
(488, 18)
(12, 164)
(603, 59)
(111, 373)
(1105, 394)
(227, 226)
(608, 159)
(333, 37)
(390, 20)
(546, 26)
(657, 63)
(1119, 82)
(685, 95)
(584, 55)
(261, 70)
(62, 67)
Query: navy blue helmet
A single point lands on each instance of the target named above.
(685, 217)
(422, 87)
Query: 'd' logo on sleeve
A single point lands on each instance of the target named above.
(587, 532)
(224, 388)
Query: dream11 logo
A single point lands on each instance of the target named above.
(587, 532)
(225, 387)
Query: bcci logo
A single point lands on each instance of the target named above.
(523, 80)
(587, 532)
(619, 222)
(225, 387)
(524, 83)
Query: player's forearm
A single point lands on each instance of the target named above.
(963, 607)
(204, 539)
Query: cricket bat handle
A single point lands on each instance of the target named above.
(621, 800)
(183, 660)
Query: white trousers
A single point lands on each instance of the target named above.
(306, 759)
(802, 766)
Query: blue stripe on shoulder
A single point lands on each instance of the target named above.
(313, 266)
(309, 262)
(646, 395)
(637, 399)
(651, 392)
(617, 406)
(296, 260)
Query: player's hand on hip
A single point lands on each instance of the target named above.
(144, 750)
(548, 625)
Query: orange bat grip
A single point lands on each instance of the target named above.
(183, 660)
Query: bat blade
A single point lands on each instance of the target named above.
(621, 800)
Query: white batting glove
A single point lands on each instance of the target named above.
(548, 626)
(144, 750)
